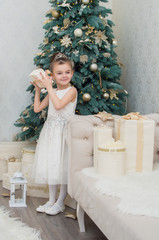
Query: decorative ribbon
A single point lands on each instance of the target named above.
(13, 159)
(45, 189)
(133, 116)
(139, 151)
(112, 149)
(27, 151)
(104, 116)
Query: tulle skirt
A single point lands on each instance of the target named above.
(51, 156)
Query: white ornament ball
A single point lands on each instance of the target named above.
(78, 32)
(106, 95)
(93, 67)
(115, 43)
(86, 97)
(85, 2)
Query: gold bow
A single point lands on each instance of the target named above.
(133, 116)
(104, 116)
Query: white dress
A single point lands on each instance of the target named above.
(51, 156)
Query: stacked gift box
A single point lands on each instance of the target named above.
(135, 134)
(13, 165)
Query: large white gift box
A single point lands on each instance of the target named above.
(102, 134)
(138, 138)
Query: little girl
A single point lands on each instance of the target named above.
(51, 156)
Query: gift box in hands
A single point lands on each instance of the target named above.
(36, 74)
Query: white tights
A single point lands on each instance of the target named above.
(53, 193)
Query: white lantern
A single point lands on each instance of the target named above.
(20, 201)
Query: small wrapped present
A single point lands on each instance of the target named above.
(36, 73)
(101, 134)
(111, 158)
(137, 133)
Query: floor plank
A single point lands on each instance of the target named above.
(52, 227)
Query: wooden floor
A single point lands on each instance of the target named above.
(52, 227)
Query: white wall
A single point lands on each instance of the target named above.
(137, 33)
(21, 33)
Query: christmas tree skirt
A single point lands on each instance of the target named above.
(14, 229)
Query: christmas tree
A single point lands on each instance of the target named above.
(81, 29)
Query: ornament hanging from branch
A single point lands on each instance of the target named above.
(83, 58)
(106, 95)
(78, 32)
(66, 41)
(55, 13)
(86, 97)
(85, 2)
(93, 67)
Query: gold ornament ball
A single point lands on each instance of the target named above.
(106, 95)
(78, 32)
(93, 67)
(86, 97)
(85, 2)
(55, 13)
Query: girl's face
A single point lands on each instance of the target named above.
(62, 74)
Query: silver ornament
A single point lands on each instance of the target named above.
(86, 97)
(78, 32)
(106, 95)
(85, 2)
(93, 67)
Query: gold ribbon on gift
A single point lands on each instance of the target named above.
(104, 116)
(139, 153)
(44, 189)
(133, 116)
(111, 149)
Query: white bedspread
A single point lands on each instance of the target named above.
(138, 192)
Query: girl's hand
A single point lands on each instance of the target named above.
(37, 88)
(46, 80)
